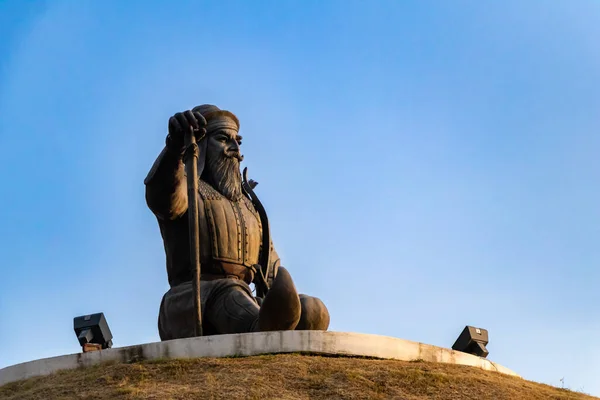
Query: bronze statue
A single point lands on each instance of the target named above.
(233, 246)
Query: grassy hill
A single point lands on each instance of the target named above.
(282, 377)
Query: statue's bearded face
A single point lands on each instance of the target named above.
(223, 159)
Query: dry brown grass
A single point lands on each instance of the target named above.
(282, 377)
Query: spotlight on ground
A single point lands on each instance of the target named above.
(92, 332)
(473, 341)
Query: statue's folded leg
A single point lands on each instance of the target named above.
(227, 307)
(315, 316)
(176, 315)
(235, 310)
(280, 310)
(231, 308)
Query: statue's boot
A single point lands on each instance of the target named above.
(281, 308)
(315, 316)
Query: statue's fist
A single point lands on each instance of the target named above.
(180, 124)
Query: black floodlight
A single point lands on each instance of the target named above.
(473, 341)
(93, 329)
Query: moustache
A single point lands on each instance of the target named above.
(234, 154)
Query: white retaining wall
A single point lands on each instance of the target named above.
(249, 344)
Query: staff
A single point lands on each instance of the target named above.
(191, 156)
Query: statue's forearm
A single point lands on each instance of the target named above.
(166, 188)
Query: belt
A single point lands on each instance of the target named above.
(220, 270)
(213, 277)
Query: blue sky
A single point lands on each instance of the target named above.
(425, 164)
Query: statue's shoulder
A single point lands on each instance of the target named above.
(207, 191)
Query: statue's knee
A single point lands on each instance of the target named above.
(314, 316)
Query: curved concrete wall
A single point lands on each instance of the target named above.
(249, 344)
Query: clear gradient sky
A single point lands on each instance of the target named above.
(425, 164)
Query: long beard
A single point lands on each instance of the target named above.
(224, 174)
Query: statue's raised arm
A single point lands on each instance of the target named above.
(166, 188)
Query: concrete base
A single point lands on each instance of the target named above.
(249, 344)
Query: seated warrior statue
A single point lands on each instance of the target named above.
(231, 239)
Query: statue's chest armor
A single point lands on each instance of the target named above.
(233, 228)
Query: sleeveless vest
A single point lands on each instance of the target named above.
(230, 231)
